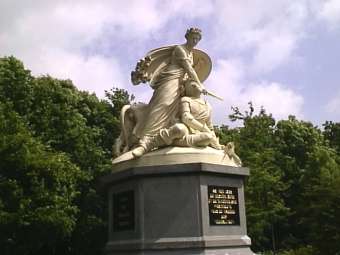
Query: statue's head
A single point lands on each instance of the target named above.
(192, 88)
(193, 36)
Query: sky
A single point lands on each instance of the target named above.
(280, 54)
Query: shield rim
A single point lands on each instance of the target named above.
(202, 73)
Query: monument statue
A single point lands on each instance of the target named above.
(176, 114)
(173, 188)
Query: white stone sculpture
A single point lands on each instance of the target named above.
(176, 114)
(195, 128)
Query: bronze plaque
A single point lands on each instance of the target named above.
(123, 211)
(223, 205)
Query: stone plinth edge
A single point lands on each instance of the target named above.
(175, 155)
(134, 171)
(181, 243)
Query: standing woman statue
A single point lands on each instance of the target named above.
(165, 69)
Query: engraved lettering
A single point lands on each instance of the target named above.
(123, 211)
(223, 206)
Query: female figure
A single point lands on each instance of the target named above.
(167, 83)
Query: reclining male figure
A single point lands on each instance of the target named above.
(196, 129)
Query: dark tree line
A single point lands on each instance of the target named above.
(55, 141)
(292, 194)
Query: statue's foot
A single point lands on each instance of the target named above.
(216, 146)
(138, 152)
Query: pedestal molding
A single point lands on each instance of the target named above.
(181, 243)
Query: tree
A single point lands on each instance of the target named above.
(332, 134)
(15, 85)
(118, 98)
(38, 188)
(265, 206)
(293, 190)
(78, 126)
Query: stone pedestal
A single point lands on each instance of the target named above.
(176, 208)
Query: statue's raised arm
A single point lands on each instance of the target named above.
(197, 64)
(165, 69)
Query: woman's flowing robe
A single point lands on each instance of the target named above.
(163, 107)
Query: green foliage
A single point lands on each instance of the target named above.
(61, 143)
(332, 134)
(308, 250)
(15, 85)
(38, 188)
(265, 206)
(118, 98)
(321, 200)
(293, 191)
(57, 119)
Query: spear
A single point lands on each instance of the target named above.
(206, 92)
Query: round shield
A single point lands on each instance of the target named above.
(161, 57)
(202, 64)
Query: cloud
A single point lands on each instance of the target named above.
(272, 52)
(75, 39)
(276, 98)
(89, 73)
(330, 12)
(49, 38)
(97, 43)
(333, 106)
(229, 81)
(268, 31)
